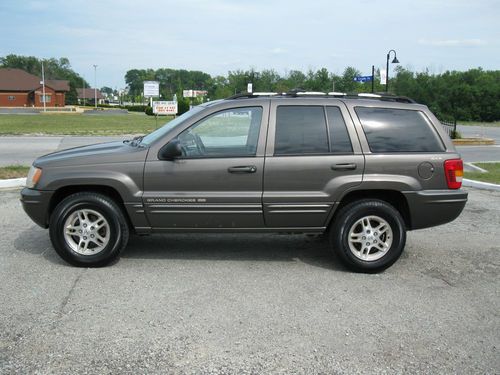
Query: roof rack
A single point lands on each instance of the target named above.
(318, 94)
(252, 95)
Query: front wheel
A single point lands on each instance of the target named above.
(88, 229)
(368, 235)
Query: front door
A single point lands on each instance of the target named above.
(217, 182)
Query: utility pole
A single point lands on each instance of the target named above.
(43, 89)
(95, 86)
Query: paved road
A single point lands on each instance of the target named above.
(480, 131)
(24, 149)
(480, 153)
(260, 304)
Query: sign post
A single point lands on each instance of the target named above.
(373, 78)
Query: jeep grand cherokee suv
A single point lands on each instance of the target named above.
(362, 170)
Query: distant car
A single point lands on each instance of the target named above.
(361, 169)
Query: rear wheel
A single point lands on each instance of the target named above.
(88, 229)
(368, 235)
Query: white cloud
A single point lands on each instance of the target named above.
(278, 51)
(452, 42)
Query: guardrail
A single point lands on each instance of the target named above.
(450, 128)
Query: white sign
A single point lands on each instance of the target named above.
(151, 89)
(383, 77)
(193, 93)
(249, 88)
(165, 108)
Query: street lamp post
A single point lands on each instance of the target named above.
(394, 61)
(95, 86)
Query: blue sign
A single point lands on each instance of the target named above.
(363, 79)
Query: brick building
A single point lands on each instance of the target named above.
(22, 89)
(87, 96)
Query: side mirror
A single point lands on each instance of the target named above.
(170, 151)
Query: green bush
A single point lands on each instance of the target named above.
(149, 111)
(182, 106)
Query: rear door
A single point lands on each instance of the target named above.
(312, 156)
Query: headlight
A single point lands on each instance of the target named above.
(33, 177)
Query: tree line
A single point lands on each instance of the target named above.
(472, 95)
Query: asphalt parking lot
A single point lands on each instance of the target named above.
(252, 304)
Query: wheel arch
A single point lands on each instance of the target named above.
(65, 191)
(393, 197)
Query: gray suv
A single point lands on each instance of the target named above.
(361, 169)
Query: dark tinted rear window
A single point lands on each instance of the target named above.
(339, 138)
(300, 130)
(398, 130)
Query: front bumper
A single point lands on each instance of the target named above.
(429, 208)
(36, 205)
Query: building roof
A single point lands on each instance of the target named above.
(58, 84)
(88, 93)
(18, 80)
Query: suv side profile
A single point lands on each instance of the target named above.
(362, 169)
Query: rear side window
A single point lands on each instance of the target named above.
(300, 130)
(398, 130)
(339, 138)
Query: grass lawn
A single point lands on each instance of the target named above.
(477, 123)
(13, 171)
(78, 124)
(493, 175)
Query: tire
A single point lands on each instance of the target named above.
(368, 235)
(88, 229)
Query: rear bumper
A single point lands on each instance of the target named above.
(36, 205)
(429, 208)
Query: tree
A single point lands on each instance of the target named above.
(53, 68)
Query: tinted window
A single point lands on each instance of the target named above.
(398, 130)
(339, 138)
(233, 132)
(300, 130)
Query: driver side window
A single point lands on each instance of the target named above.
(233, 132)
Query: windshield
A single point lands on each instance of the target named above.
(160, 132)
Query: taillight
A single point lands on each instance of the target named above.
(454, 171)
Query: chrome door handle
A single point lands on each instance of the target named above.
(344, 167)
(243, 169)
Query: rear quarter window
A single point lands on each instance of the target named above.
(398, 130)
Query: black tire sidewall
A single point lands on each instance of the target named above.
(353, 213)
(66, 208)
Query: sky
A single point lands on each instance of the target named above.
(217, 36)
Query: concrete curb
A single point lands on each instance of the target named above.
(480, 185)
(12, 183)
(474, 168)
(473, 142)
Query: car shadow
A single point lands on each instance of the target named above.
(311, 250)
